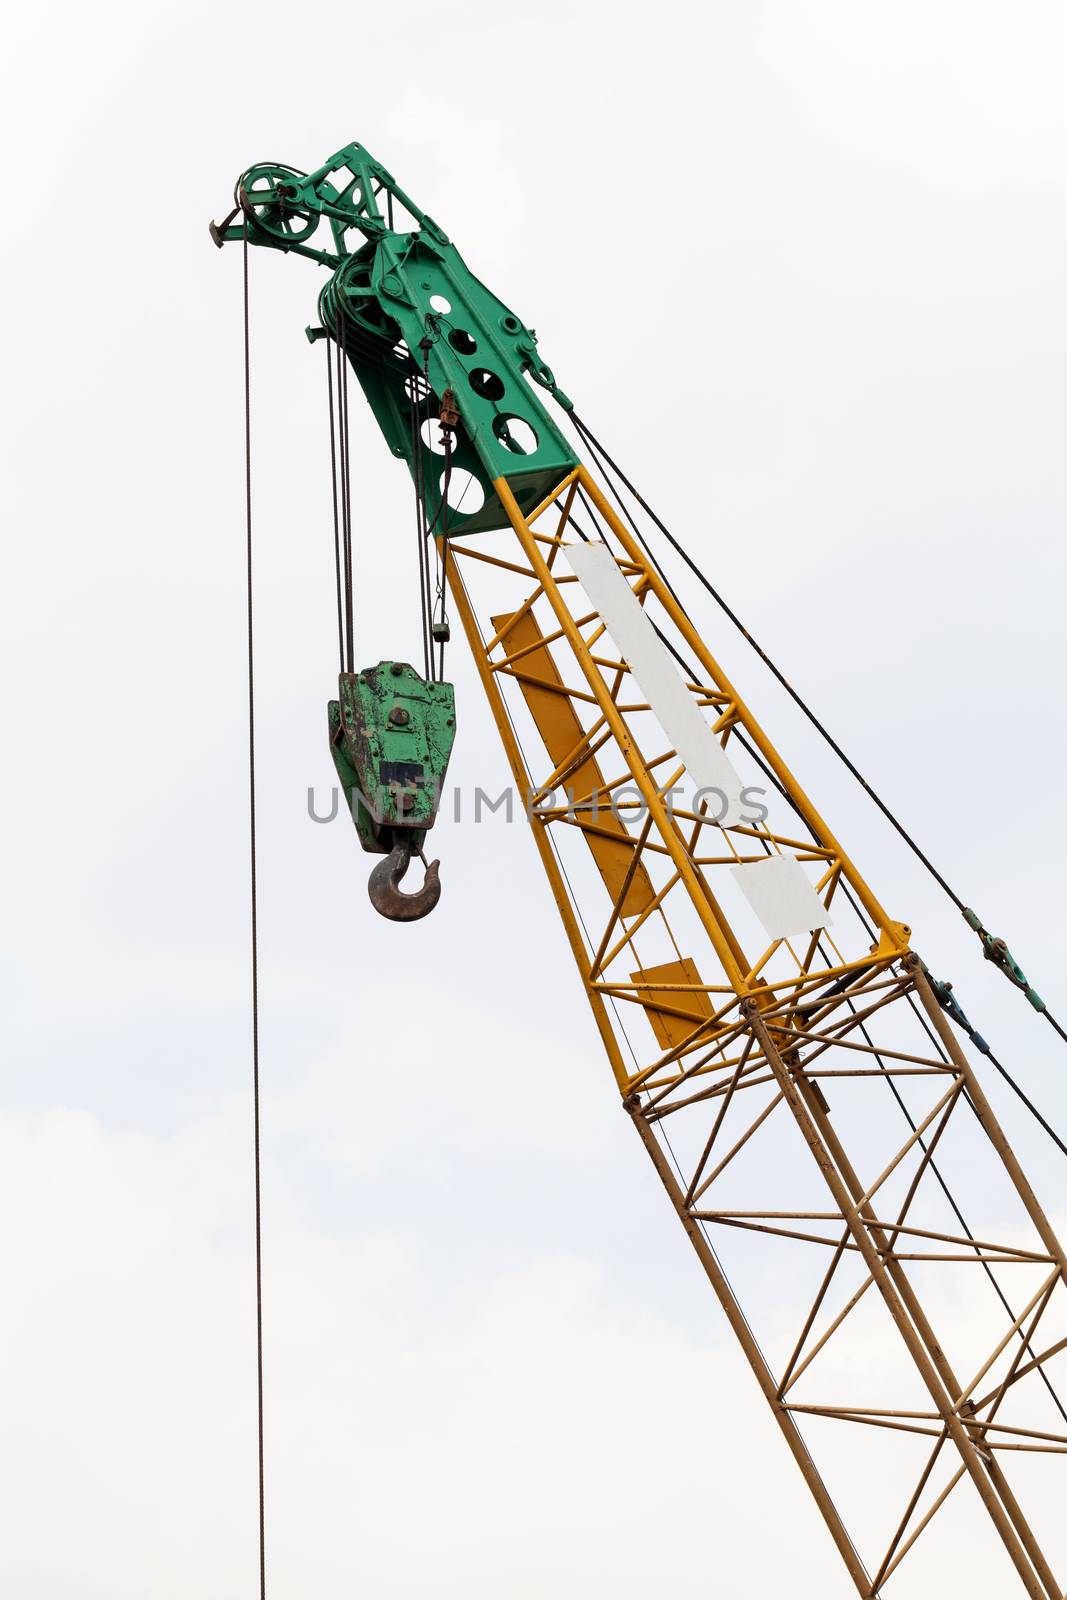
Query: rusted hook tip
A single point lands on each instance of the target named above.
(386, 895)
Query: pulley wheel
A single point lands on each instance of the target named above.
(267, 195)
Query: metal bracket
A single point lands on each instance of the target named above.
(996, 950)
(947, 1001)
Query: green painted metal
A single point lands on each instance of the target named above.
(415, 321)
(391, 736)
(996, 950)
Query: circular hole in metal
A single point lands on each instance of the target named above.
(415, 389)
(515, 435)
(487, 384)
(462, 341)
(465, 493)
(431, 436)
(439, 304)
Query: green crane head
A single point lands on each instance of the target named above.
(416, 325)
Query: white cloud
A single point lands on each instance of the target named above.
(510, 1436)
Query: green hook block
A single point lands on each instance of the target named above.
(391, 737)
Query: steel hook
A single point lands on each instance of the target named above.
(386, 895)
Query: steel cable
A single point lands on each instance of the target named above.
(608, 466)
(254, 928)
(598, 449)
(935, 1169)
(419, 536)
(336, 522)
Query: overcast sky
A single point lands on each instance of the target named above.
(802, 267)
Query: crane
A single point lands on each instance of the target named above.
(792, 1068)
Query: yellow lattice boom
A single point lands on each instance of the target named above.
(802, 1093)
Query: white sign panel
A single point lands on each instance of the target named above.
(781, 895)
(681, 719)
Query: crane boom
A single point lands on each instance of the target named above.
(783, 1052)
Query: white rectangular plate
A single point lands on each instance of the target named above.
(682, 720)
(782, 897)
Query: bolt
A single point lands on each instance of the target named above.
(399, 716)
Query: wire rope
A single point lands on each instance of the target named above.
(256, 1142)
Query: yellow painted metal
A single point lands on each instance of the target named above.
(558, 724)
(524, 783)
(525, 654)
(744, 1034)
(894, 934)
(721, 934)
(673, 1013)
(757, 1048)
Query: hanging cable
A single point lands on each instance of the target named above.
(449, 418)
(254, 927)
(442, 626)
(425, 422)
(994, 949)
(336, 522)
(344, 448)
(416, 464)
(338, 356)
(346, 500)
